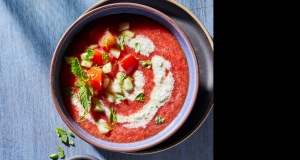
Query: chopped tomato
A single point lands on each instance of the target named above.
(101, 57)
(95, 77)
(129, 63)
(107, 40)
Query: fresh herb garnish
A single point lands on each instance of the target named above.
(85, 94)
(146, 63)
(90, 53)
(70, 133)
(71, 143)
(112, 115)
(62, 134)
(82, 117)
(120, 97)
(140, 97)
(105, 57)
(107, 127)
(159, 120)
(61, 152)
(122, 42)
(137, 47)
(77, 70)
(54, 156)
(87, 55)
(122, 76)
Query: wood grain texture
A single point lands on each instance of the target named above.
(29, 33)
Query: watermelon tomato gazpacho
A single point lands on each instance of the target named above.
(124, 78)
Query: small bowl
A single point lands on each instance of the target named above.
(119, 8)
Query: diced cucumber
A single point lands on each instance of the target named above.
(127, 34)
(69, 59)
(123, 26)
(86, 63)
(115, 88)
(106, 82)
(98, 106)
(103, 127)
(83, 56)
(115, 52)
(128, 85)
(93, 46)
(111, 98)
(107, 68)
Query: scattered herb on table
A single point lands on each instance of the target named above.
(61, 152)
(62, 134)
(54, 156)
(71, 143)
(70, 133)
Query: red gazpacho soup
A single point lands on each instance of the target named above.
(124, 78)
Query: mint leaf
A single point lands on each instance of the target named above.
(71, 133)
(62, 134)
(137, 47)
(159, 120)
(105, 57)
(146, 63)
(71, 143)
(82, 118)
(121, 76)
(90, 53)
(77, 70)
(53, 156)
(122, 42)
(120, 97)
(140, 97)
(85, 94)
(61, 152)
(112, 115)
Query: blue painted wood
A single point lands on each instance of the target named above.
(29, 33)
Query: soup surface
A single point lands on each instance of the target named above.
(124, 78)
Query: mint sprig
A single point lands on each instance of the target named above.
(61, 152)
(90, 53)
(77, 70)
(122, 42)
(120, 97)
(85, 94)
(112, 115)
(105, 57)
(70, 133)
(137, 47)
(62, 134)
(140, 97)
(146, 63)
(159, 120)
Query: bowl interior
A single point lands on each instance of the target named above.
(119, 8)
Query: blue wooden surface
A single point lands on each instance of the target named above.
(29, 33)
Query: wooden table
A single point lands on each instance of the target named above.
(29, 33)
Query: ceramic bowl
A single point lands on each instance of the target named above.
(119, 8)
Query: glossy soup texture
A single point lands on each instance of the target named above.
(165, 46)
